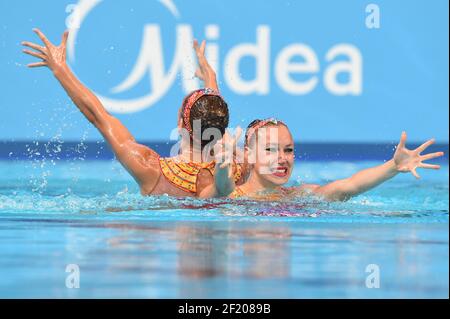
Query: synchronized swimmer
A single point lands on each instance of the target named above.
(212, 167)
(177, 176)
(273, 162)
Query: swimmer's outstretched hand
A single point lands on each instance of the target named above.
(204, 71)
(224, 149)
(52, 56)
(408, 160)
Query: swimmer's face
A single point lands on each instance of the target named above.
(274, 155)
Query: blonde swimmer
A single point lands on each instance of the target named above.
(269, 151)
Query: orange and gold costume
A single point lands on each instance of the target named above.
(184, 174)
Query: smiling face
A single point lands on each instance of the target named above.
(272, 155)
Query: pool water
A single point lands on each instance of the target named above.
(392, 242)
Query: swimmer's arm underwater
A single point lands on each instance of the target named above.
(139, 160)
(403, 161)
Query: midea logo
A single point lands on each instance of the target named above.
(150, 62)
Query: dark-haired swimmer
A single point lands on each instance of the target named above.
(269, 148)
(186, 174)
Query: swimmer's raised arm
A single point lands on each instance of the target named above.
(54, 57)
(224, 152)
(207, 74)
(204, 71)
(138, 159)
(403, 161)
